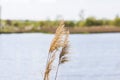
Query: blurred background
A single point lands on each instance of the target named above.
(82, 16)
(95, 38)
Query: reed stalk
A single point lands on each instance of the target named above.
(60, 40)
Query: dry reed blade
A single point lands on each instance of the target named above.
(49, 66)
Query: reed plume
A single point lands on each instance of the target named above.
(57, 40)
(60, 41)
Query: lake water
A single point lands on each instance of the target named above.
(93, 57)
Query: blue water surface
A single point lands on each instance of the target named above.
(92, 57)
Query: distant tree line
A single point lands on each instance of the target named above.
(88, 22)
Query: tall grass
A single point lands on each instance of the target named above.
(59, 46)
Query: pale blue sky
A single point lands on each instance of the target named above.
(69, 9)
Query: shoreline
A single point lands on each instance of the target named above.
(70, 33)
(73, 30)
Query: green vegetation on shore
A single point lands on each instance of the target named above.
(88, 25)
